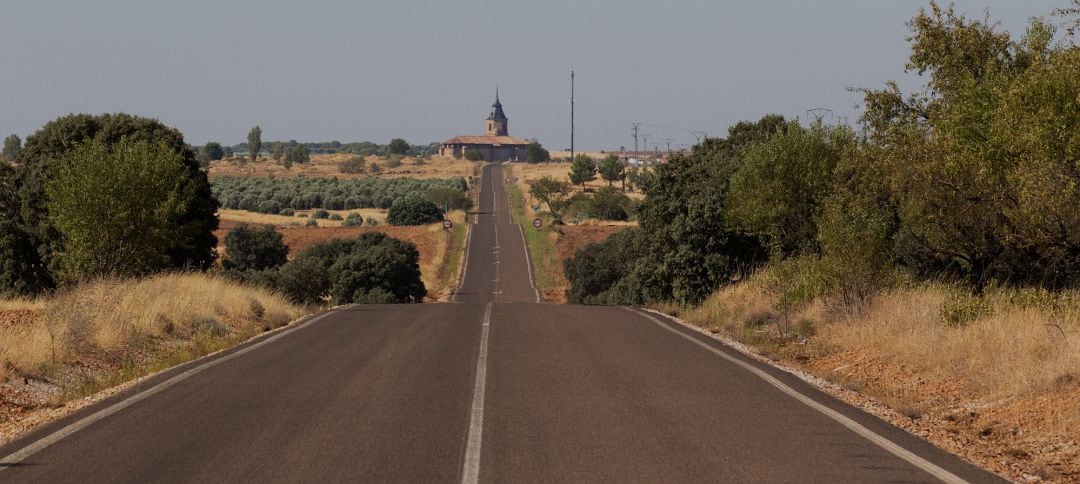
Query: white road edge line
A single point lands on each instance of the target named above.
(470, 472)
(30, 450)
(464, 266)
(884, 443)
(528, 262)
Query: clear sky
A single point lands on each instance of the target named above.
(426, 70)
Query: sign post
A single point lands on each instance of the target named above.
(447, 224)
(537, 223)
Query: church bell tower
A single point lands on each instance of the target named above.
(496, 122)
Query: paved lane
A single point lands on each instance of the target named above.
(495, 387)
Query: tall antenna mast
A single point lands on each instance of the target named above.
(571, 114)
(635, 127)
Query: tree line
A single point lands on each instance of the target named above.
(971, 179)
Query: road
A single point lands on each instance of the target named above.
(491, 388)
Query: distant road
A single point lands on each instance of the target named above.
(493, 388)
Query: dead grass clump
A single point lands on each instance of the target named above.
(117, 316)
(22, 303)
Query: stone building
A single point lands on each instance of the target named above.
(496, 145)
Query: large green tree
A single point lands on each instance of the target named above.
(778, 192)
(113, 205)
(254, 141)
(193, 240)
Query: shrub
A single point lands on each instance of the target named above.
(371, 222)
(321, 214)
(335, 216)
(248, 248)
(414, 211)
(304, 280)
(352, 165)
(311, 222)
(288, 212)
(393, 161)
(353, 220)
(608, 204)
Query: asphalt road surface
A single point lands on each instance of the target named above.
(491, 388)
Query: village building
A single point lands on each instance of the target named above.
(496, 145)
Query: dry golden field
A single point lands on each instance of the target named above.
(299, 219)
(103, 333)
(326, 165)
(1000, 390)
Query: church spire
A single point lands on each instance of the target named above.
(497, 121)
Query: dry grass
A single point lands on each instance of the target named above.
(326, 165)
(300, 218)
(113, 319)
(1009, 350)
(1006, 348)
(993, 378)
(22, 303)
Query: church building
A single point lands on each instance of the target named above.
(496, 145)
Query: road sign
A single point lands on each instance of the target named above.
(537, 223)
(447, 224)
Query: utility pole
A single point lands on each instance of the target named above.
(635, 127)
(645, 141)
(668, 141)
(699, 135)
(571, 114)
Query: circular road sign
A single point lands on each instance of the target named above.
(537, 223)
(447, 224)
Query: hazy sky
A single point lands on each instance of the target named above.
(426, 70)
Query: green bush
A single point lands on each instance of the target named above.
(414, 211)
(371, 222)
(393, 161)
(321, 214)
(353, 220)
(248, 248)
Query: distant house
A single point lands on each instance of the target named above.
(496, 145)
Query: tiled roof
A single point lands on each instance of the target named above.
(485, 140)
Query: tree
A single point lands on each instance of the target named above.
(212, 151)
(114, 205)
(535, 153)
(21, 269)
(414, 211)
(12, 148)
(277, 151)
(778, 192)
(449, 198)
(609, 203)
(295, 153)
(552, 193)
(611, 169)
(192, 242)
(254, 249)
(254, 140)
(473, 153)
(371, 268)
(582, 170)
(398, 146)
